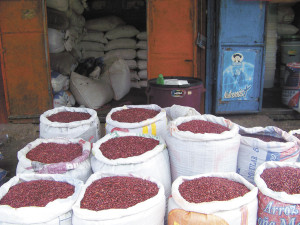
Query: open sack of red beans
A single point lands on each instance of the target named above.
(70, 122)
(202, 144)
(213, 198)
(113, 199)
(70, 157)
(128, 153)
(261, 144)
(278, 193)
(145, 119)
(38, 199)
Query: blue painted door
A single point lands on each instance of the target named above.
(240, 56)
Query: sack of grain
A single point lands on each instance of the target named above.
(76, 6)
(76, 123)
(121, 53)
(63, 62)
(104, 23)
(69, 157)
(142, 54)
(63, 98)
(261, 144)
(121, 43)
(59, 209)
(134, 75)
(142, 36)
(57, 19)
(61, 5)
(90, 46)
(278, 196)
(213, 198)
(122, 31)
(145, 119)
(142, 45)
(56, 40)
(131, 208)
(89, 92)
(131, 63)
(143, 74)
(95, 36)
(202, 144)
(75, 18)
(142, 154)
(117, 74)
(89, 54)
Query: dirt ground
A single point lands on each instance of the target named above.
(19, 135)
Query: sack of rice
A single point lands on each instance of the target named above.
(142, 36)
(70, 122)
(121, 43)
(38, 199)
(61, 5)
(142, 45)
(213, 198)
(69, 157)
(142, 54)
(95, 36)
(125, 54)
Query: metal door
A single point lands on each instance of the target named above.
(240, 56)
(172, 36)
(24, 58)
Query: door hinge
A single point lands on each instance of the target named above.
(201, 41)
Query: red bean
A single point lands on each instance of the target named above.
(54, 152)
(119, 192)
(286, 179)
(36, 193)
(201, 126)
(265, 138)
(68, 117)
(128, 146)
(133, 115)
(208, 189)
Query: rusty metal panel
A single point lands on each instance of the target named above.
(24, 58)
(172, 31)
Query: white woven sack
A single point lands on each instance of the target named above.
(75, 19)
(152, 209)
(121, 53)
(285, 14)
(142, 64)
(142, 36)
(88, 54)
(61, 5)
(95, 36)
(104, 23)
(89, 92)
(192, 154)
(154, 163)
(253, 151)
(57, 212)
(59, 82)
(143, 83)
(131, 63)
(122, 31)
(142, 54)
(142, 45)
(88, 130)
(76, 6)
(135, 84)
(63, 62)
(134, 75)
(121, 43)
(237, 211)
(276, 207)
(286, 29)
(90, 46)
(79, 168)
(143, 74)
(117, 74)
(56, 40)
(63, 98)
(176, 111)
(156, 126)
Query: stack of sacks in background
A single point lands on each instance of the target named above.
(285, 18)
(65, 29)
(140, 74)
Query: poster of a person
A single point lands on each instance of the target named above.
(237, 77)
